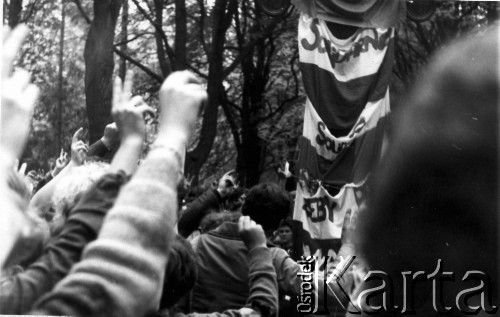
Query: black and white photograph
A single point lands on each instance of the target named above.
(230, 158)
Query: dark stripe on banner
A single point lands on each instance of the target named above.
(335, 173)
(302, 237)
(353, 164)
(379, 13)
(349, 98)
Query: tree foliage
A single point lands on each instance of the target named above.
(247, 60)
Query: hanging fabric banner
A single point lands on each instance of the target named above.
(346, 83)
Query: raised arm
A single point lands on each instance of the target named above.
(193, 214)
(263, 297)
(128, 115)
(18, 101)
(121, 273)
(105, 147)
(41, 201)
(18, 293)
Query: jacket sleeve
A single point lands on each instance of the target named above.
(190, 219)
(287, 271)
(18, 293)
(98, 149)
(122, 272)
(263, 295)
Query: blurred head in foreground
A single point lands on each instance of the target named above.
(435, 195)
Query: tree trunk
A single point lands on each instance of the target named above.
(180, 35)
(251, 154)
(59, 117)
(123, 38)
(15, 9)
(165, 67)
(99, 64)
(221, 22)
(255, 76)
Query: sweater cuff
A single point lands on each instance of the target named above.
(263, 284)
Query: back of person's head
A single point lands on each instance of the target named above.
(267, 204)
(71, 187)
(214, 218)
(180, 274)
(434, 197)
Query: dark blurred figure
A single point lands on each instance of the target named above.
(435, 196)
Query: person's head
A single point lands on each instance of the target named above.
(180, 274)
(285, 232)
(70, 188)
(267, 204)
(215, 218)
(435, 195)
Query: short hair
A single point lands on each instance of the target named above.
(215, 218)
(72, 186)
(267, 204)
(287, 222)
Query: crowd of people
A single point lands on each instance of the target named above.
(104, 235)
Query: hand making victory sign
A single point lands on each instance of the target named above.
(128, 112)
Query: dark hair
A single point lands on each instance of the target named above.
(180, 274)
(267, 204)
(214, 218)
(287, 222)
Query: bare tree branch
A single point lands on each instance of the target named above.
(82, 11)
(30, 10)
(135, 62)
(201, 4)
(135, 37)
(158, 29)
(231, 121)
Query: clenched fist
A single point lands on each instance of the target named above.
(251, 233)
(181, 99)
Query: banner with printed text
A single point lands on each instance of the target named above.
(346, 111)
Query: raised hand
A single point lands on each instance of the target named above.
(61, 162)
(18, 181)
(128, 112)
(286, 171)
(111, 136)
(78, 148)
(18, 95)
(251, 233)
(349, 227)
(181, 97)
(227, 184)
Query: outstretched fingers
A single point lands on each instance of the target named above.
(12, 41)
(76, 137)
(117, 94)
(127, 86)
